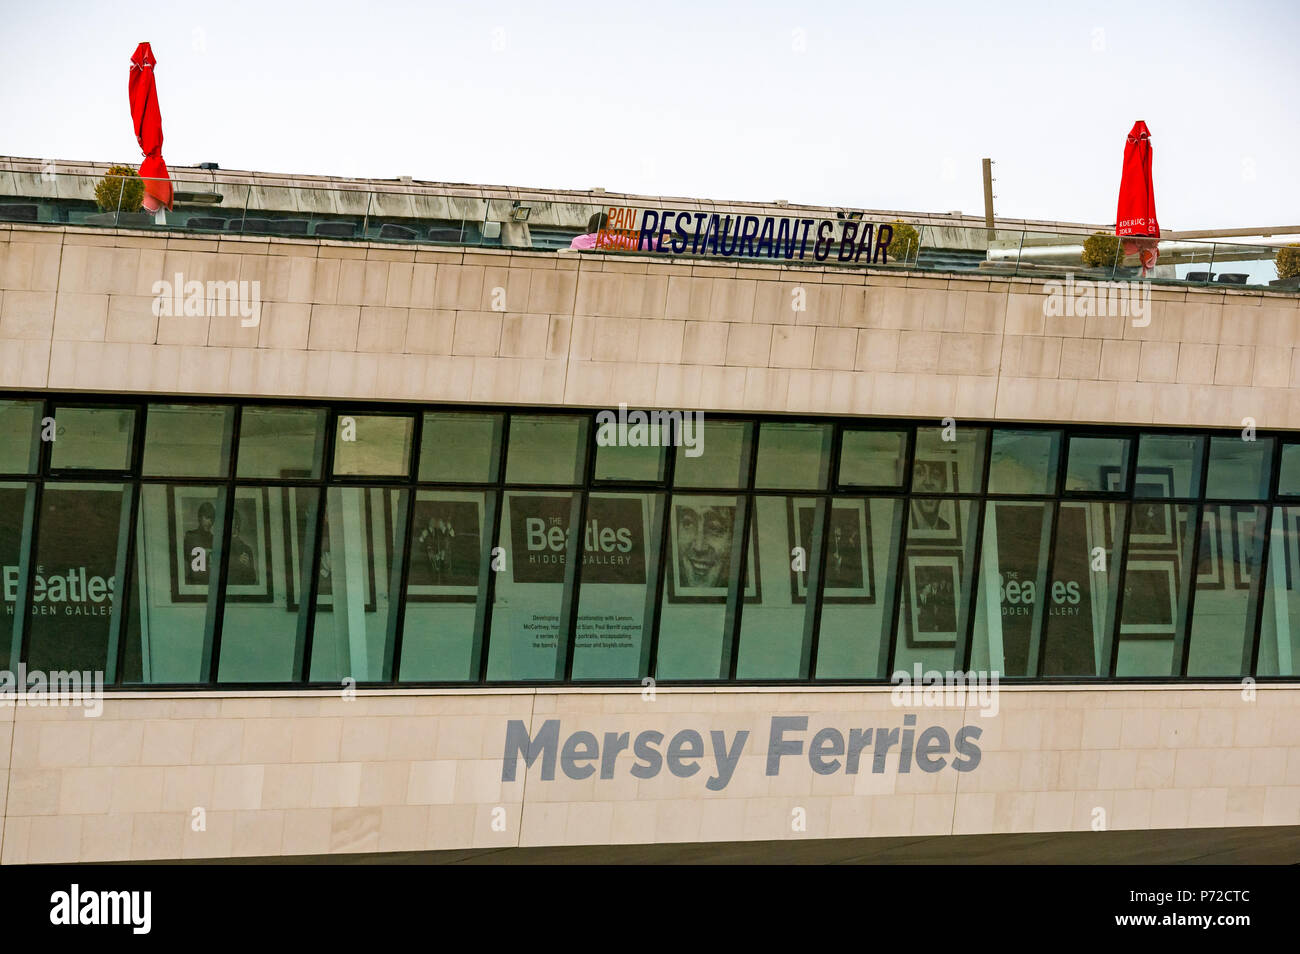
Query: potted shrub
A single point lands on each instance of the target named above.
(120, 196)
(1288, 266)
(904, 244)
(1101, 251)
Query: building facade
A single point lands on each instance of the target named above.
(434, 535)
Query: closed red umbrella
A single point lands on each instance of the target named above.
(1135, 219)
(148, 128)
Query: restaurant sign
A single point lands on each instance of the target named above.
(745, 236)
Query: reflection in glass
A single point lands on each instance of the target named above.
(1024, 462)
(1288, 482)
(1168, 466)
(268, 570)
(703, 562)
(1013, 577)
(276, 442)
(1279, 640)
(187, 441)
(637, 453)
(936, 585)
(80, 551)
(1239, 469)
(460, 448)
(948, 466)
(1157, 581)
(620, 567)
(1083, 588)
(793, 455)
(546, 450)
(1098, 464)
(861, 562)
(92, 438)
(357, 584)
(538, 547)
(19, 436)
(776, 629)
(446, 585)
(720, 457)
(17, 501)
(374, 445)
(174, 583)
(873, 458)
(1227, 586)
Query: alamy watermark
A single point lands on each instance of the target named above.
(946, 689)
(35, 688)
(1085, 299)
(637, 428)
(195, 299)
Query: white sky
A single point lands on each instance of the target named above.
(855, 103)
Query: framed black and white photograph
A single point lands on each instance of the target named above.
(849, 571)
(192, 526)
(446, 547)
(702, 532)
(298, 527)
(933, 588)
(1150, 597)
(934, 519)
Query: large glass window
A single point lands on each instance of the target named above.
(187, 440)
(701, 586)
(173, 596)
(546, 450)
(873, 458)
(358, 580)
(1238, 468)
(460, 448)
(1098, 464)
(269, 564)
(1082, 593)
(1157, 581)
(776, 629)
(537, 552)
(616, 600)
(716, 456)
(254, 545)
(1024, 462)
(281, 442)
(1012, 582)
(92, 438)
(860, 588)
(1169, 466)
(948, 460)
(936, 585)
(17, 503)
(1279, 641)
(373, 445)
(80, 559)
(1227, 588)
(446, 585)
(20, 426)
(793, 455)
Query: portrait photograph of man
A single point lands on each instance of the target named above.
(934, 518)
(194, 523)
(703, 534)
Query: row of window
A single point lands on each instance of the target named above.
(184, 544)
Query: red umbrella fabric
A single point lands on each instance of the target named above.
(148, 128)
(1135, 219)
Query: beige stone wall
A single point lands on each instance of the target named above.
(357, 321)
(309, 773)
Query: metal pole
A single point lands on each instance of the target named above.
(988, 196)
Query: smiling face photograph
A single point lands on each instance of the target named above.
(704, 535)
